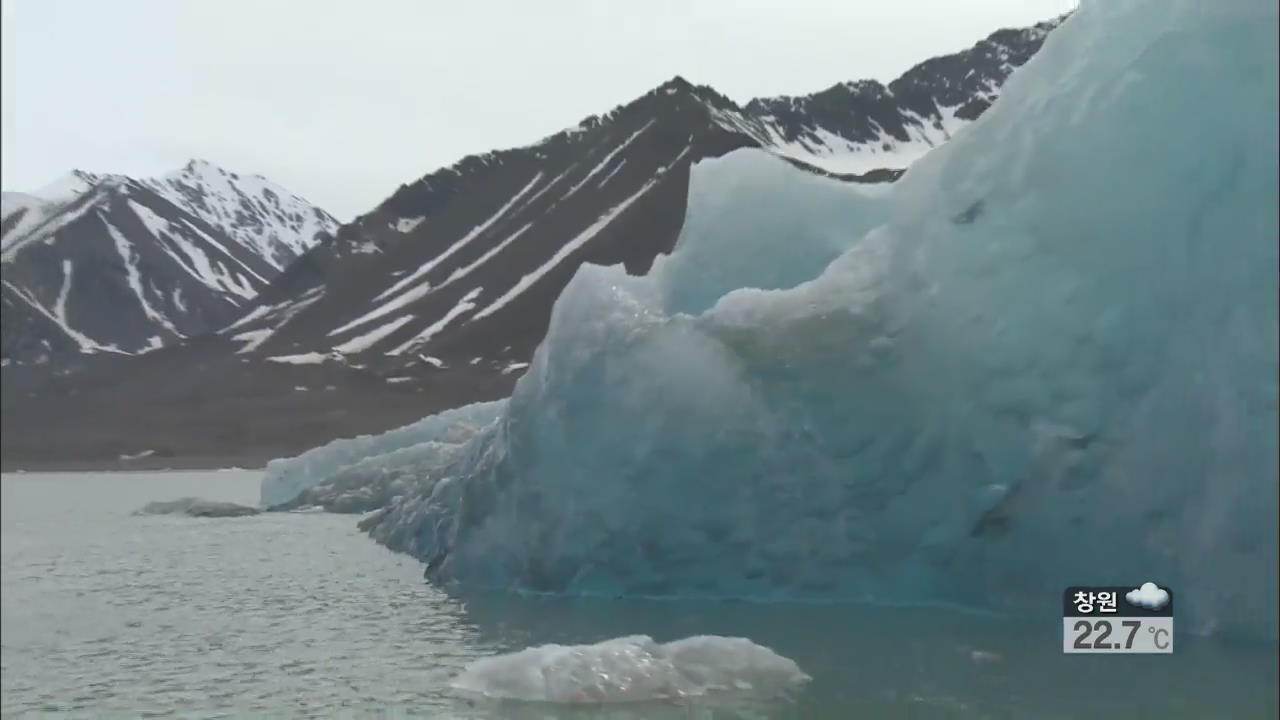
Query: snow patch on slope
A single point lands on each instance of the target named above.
(405, 225)
(130, 258)
(384, 309)
(273, 317)
(607, 159)
(60, 307)
(34, 211)
(86, 343)
(369, 339)
(45, 226)
(565, 250)
(464, 271)
(465, 304)
(193, 259)
(466, 239)
(311, 358)
(252, 339)
(821, 148)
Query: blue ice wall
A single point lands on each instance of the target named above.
(1047, 356)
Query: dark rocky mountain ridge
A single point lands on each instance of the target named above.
(439, 295)
(465, 262)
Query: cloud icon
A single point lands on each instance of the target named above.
(1150, 596)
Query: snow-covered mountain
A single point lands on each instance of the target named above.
(95, 263)
(462, 266)
(433, 299)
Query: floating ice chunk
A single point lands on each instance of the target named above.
(196, 507)
(633, 669)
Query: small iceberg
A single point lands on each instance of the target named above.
(633, 669)
(196, 507)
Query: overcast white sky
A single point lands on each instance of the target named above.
(342, 101)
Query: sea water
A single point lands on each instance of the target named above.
(299, 614)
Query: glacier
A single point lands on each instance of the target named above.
(1046, 356)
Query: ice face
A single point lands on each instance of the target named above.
(1050, 360)
(632, 669)
(351, 463)
(727, 243)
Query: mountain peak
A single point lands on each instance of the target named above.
(679, 86)
(677, 83)
(204, 170)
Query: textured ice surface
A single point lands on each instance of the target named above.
(349, 461)
(727, 242)
(1047, 356)
(632, 669)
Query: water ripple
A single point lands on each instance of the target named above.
(299, 615)
(162, 615)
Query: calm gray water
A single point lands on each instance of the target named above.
(300, 615)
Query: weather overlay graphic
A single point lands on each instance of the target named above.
(1117, 619)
